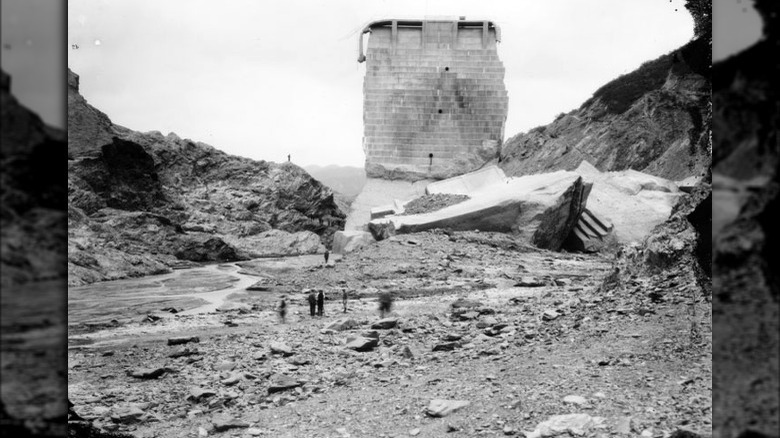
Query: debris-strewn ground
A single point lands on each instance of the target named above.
(434, 202)
(520, 334)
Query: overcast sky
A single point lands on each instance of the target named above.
(266, 78)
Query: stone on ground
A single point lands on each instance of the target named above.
(223, 422)
(280, 348)
(127, 414)
(183, 340)
(280, 382)
(385, 324)
(199, 394)
(442, 408)
(575, 400)
(341, 324)
(148, 373)
(573, 424)
(360, 343)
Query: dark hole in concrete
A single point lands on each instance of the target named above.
(446, 69)
(440, 111)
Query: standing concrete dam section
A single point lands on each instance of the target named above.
(435, 102)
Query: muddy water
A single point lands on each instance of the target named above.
(190, 291)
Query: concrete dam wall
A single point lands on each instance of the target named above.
(435, 103)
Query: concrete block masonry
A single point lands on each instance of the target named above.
(434, 95)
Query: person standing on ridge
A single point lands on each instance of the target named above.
(344, 299)
(327, 256)
(320, 303)
(312, 303)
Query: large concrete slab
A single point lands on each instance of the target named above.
(378, 193)
(634, 202)
(539, 209)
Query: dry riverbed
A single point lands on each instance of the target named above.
(518, 333)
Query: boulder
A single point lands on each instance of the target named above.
(280, 348)
(148, 373)
(183, 340)
(575, 400)
(540, 209)
(442, 408)
(529, 282)
(462, 303)
(223, 422)
(211, 249)
(370, 334)
(445, 346)
(381, 230)
(127, 414)
(572, 424)
(347, 241)
(280, 382)
(361, 343)
(341, 324)
(385, 324)
(198, 394)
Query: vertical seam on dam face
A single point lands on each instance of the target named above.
(431, 89)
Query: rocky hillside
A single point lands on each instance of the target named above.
(654, 119)
(32, 207)
(143, 203)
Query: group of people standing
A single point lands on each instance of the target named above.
(318, 300)
(316, 303)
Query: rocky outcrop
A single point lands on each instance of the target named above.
(654, 119)
(88, 127)
(278, 243)
(680, 240)
(143, 203)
